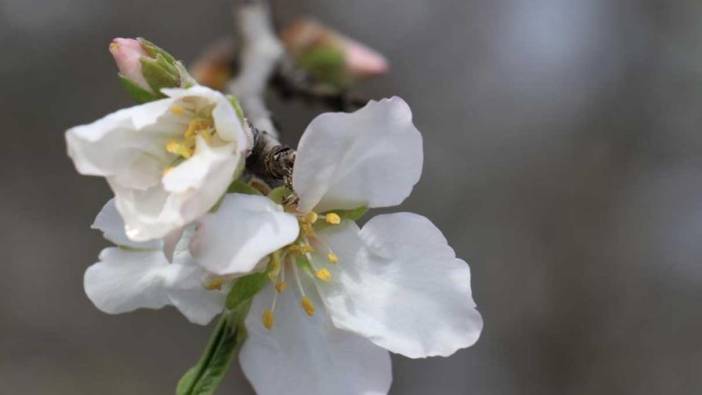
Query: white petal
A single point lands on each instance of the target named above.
(243, 230)
(186, 290)
(188, 294)
(304, 355)
(127, 145)
(110, 223)
(227, 123)
(193, 173)
(372, 157)
(188, 191)
(399, 284)
(124, 281)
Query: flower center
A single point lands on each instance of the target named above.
(199, 123)
(297, 257)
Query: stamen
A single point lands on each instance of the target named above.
(308, 306)
(306, 303)
(281, 285)
(332, 218)
(310, 217)
(177, 110)
(197, 126)
(332, 258)
(307, 230)
(267, 319)
(302, 248)
(179, 148)
(215, 283)
(323, 274)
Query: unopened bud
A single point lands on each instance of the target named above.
(145, 69)
(128, 53)
(329, 56)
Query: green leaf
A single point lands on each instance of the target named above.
(139, 94)
(245, 288)
(239, 186)
(227, 338)
(279, 193)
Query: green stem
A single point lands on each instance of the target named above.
(226, 340)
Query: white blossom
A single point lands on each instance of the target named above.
(168, 161)
(343, 295)
(137, 275)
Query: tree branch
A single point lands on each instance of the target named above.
(259, 56)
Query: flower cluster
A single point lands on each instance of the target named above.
(189, 222)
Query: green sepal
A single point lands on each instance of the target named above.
(303, 263)
(278, 194)
(157, 75)
(138, 94)
(353, 214)
(153, 50)
(239, 186)
(245, 288)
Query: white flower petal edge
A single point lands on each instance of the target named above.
(129, 148)
(243, 230)
(110, 223)
(304, 355)
(125, 279)
(399, 284)
(371, 157)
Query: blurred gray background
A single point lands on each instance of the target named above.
(562, 161)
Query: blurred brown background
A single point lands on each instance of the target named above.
(562, 160)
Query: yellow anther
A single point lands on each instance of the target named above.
(310, 217)
(177, 110)
(332, 258)
(197, 126)
(179, 148)
(267, 319)
(301, 248)
(307, 306)
(168, 170)
(333, 218)
(323, 274)
(280, 286)
(215, 283)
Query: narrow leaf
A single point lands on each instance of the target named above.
(204, 378)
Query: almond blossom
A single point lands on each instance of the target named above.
(341, 296)
(167, 161)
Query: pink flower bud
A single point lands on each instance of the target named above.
(360, 61)
(128, 53)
